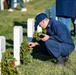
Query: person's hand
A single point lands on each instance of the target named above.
(32, 44)
(46, 37)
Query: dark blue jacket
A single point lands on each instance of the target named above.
(59, 32)
(60, 42)
(65, 8)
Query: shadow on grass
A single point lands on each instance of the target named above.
(10, 42)
(23, 24)
(42, 56)
(9, 47)
(73, 33)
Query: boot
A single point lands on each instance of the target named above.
(65, 58)
(60, 61)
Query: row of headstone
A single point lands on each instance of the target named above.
(18, 39)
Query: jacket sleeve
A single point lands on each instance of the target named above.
(58, 34)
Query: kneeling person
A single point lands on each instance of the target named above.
(58, 40)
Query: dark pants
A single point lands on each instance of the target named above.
(57, 49)
(43, 49)
(9, 3)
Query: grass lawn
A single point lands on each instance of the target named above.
(41, 64)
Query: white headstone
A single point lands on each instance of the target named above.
(2, 4)
(30, 28)
(18, 36)
(39, 29)
(21, 34)
(2, 48)
(2, 44)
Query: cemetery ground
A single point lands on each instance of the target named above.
(40, 64)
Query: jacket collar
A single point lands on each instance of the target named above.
(49, 23)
